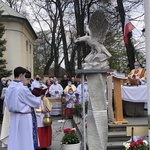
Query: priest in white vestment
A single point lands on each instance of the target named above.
(19, 101)
(56, 91)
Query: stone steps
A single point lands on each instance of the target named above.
(116, 132)
(118, 145)
(117, 136)
(116, 140)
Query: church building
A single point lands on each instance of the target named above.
(20, 38)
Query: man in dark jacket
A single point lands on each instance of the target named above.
(64, 81)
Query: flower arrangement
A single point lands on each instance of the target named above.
(79, 108)
(138, 145)
(70, 136)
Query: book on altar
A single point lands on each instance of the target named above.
(119, 74)
(39, 91)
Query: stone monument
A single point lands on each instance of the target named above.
(97, 59)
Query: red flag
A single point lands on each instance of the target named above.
(128, 27)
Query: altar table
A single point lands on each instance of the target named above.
(134, 98)
(134, 93)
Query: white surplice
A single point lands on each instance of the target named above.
(39, 115)
(52, 90)
(71, 99)
(35, 84)
(86, 92)
(5, 128)
(19, 100)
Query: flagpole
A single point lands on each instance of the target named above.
(147, 41)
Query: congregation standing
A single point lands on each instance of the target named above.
(22, 103)
(25, 110)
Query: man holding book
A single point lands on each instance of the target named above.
(20, 103)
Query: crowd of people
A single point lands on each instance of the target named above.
(22, 109)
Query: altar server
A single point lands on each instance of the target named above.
(70, 103)
(86, 92)
(44, 132)
(20, 101)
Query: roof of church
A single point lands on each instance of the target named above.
(8, 12)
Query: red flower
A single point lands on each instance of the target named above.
(133, 144)
(73, 130)
(138, 145)
(67, 130)
(139, 142)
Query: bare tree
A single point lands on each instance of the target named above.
(46, 12)
(61, 22)
(18, 6)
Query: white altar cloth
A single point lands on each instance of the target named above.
(134, 93)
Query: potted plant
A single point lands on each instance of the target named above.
(70, 140)
(138, 145)
(78, 109)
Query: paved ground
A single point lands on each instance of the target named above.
(58, 125)
(57, 128)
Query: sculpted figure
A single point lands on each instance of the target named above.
(97, 29)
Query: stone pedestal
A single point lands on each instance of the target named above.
(97, 130)
(97, 123)
(97, 114)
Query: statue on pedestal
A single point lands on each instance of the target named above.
(97, 127)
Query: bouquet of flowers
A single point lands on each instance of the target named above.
(70, 136)
(138, 145)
